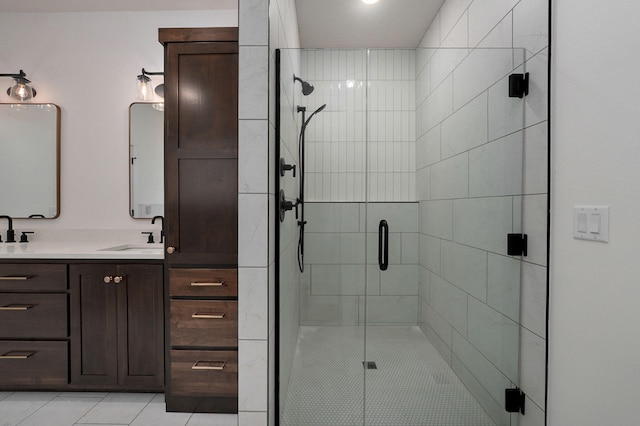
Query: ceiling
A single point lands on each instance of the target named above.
(112, 5)
(322, 23)
(351, 23)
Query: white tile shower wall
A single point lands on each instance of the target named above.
(465, 131)
(283, 34)
(365, 137)
(339, 274)
(255, 207)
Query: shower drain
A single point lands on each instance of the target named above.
(369, 365)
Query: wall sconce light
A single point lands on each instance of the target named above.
(145, 88)
(20, 90)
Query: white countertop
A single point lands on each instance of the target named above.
(83, 245)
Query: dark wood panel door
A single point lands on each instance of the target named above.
(94, 345)
(140, 327)
(201, 149)
(117, 327)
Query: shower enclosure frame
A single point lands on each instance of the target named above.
(277, 225)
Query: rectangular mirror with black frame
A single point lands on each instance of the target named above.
(146, 160)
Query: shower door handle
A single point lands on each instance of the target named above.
(383, 245)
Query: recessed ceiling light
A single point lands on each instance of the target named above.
(369, 1)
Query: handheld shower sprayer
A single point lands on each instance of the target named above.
(307, 88)
(323, 106)
(300, 200)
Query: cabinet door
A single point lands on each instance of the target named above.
(140, 327)
(94, 346)
(117, 337)
(201, 150)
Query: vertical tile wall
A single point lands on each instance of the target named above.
(391, 130)
(337, 155)
(339, 272)
(465, 131)
(255, 201)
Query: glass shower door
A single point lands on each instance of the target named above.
(322, 240)
(398, 303)
(442, 315)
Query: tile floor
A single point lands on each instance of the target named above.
(412, 385)
(94, 408)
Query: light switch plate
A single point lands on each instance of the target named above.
(597, 223)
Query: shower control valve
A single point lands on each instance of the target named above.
(286, 205)
(284, 167)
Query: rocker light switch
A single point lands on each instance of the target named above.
(594, 223)
(582, 222)
(591, 223)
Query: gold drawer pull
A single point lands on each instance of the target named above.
(17, 355)
(214, 284)
(16, 307)
(209, 365)
(215, 315)
(16, 277)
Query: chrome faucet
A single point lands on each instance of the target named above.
(11, 237)
(162, 227)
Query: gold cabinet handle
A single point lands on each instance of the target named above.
(208, 365)
(171, 249)
(107, 279)
(16, 307)
(117, 279)
(212, 284)
(17, 355)
(16, 277)
(204, 315)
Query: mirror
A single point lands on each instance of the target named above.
(146, 160)
(30, 160)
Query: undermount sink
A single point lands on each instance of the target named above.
(140, 248)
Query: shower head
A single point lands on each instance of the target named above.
(307, 88)
(314, 113)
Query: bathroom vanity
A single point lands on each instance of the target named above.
(85, 314)
(93, 322)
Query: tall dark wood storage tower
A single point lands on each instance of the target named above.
(201, 209)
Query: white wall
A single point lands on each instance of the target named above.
(594, 332)
(87, 64)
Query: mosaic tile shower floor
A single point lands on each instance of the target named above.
(412, 385)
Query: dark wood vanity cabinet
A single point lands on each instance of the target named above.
(34, 332)
(116, 326)
(202, 340)
(201, 218)
(81, 326)
(201, 145)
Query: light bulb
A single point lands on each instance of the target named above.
(21, 91)
(145, 90)
(369, 1)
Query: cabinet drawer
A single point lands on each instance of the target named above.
(30, 277)
(204, 373)
(203, 282)
(33, 315)
(33, 363)
(204, 323)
